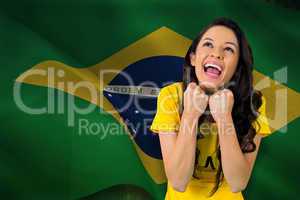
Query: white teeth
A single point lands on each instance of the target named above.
(213, 65)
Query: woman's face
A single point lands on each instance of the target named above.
(216, 57)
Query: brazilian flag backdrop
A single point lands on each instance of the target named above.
(46, 155)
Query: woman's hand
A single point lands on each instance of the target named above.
(195, 101)
(221, 104)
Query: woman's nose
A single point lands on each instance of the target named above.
(217, 54)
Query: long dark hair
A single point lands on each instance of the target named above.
(246, 99)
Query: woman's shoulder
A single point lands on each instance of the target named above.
(172, 93)
(174, 89)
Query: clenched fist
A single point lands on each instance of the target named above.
(221, 104)
(195, 101)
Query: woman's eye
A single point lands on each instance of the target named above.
(208, 44)
(229, 49)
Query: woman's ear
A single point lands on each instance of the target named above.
(192, 59)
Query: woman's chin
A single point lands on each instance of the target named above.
(211, 84)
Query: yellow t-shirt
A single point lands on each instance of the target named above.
(167, 118)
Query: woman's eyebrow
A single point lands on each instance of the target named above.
(207, 38)
(232, 43)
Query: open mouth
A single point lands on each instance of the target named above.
(212, 70)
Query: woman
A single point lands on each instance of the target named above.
(211, 124)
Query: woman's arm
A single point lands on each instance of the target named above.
(236, 166)
(178, 149)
